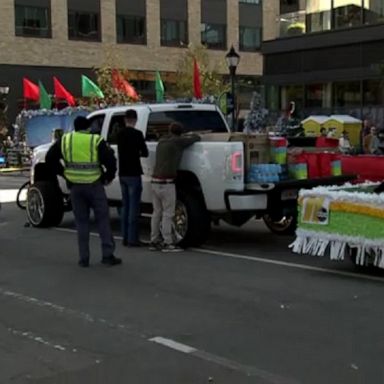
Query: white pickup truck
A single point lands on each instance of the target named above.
(210, 182)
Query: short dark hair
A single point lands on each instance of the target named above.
(131, 114)
(176, 129)
(81, 123)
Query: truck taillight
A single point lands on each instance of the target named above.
(237, 162)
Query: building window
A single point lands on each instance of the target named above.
(347, 13)
(131, 25)
(288, 6)
(83, 23)
(315, 95)
(373, 92)
(250, 1)
(318, 15)
(374, 11)
(347, 94)
(174, 33)
(131, 29)
(214, 23)
(32, 20)
(214, 36)
(250, 39)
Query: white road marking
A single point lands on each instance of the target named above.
(173, 344)
(256, 259)
(9, 195)
(245, 369)
(37, 339)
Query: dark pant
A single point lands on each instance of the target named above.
(131, 188)
(84, 197)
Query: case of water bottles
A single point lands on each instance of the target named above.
(265, 173)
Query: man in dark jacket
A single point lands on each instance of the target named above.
(169, 152)
(131, 147)
(88, 165)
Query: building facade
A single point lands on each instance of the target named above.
(327, 56)
(67, 38)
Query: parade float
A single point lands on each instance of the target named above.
(338, 222)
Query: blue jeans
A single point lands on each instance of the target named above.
(131, 188)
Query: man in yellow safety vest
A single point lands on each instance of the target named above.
(88, 165)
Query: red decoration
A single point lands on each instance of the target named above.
(123, 85)
(31, 91)
(62, 93)
(197, 92)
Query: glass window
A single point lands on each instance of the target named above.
(250, 1)
(84, 20)
(373, 92)
(314, 95)
(214, 36)
(192, 121)
(318, 15)
(373, 11)
(174, 33)
(250, 38)
(347, 13)
(347, 94)
(131, 29)
(288, 6)
(292, 24)
(33, 21)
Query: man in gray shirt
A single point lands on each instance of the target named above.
(169, 152)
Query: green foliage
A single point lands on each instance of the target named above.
(212, 82)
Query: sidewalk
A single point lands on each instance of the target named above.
(14, 171)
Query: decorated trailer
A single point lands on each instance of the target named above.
(338, 222)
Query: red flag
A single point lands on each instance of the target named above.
(123, 85)
(31, 91)
(62, 93)
(197, 92)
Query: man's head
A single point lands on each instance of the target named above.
(130, 118)
(323, 132)
(373, 131)
(81, 123)
(176, 129)
(345, 134)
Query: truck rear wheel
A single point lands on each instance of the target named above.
(192, 221)
(286, 225)
(45, 205)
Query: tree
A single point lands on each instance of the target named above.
(211, 81)
(256, 120)
(104, 79)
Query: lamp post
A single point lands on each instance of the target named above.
(232, 58)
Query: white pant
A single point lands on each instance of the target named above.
(164, 204)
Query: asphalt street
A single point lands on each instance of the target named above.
(241, 309)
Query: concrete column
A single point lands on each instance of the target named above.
(59, 20)
(194, 21)
(233, 24)
(7, 24)
(327, 100)
(153, 23)
(108, 21)
(271, 11)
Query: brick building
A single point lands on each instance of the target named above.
(67, 38)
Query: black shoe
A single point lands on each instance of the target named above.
(112, 260)
(136, 244)
(84, 263)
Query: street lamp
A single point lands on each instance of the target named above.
(232, 58)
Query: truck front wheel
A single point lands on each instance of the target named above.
(192, 221)
(45, 204)
(286, 225)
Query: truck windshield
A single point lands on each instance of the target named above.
(193, 121)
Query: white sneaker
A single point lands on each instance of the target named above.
(171, 248)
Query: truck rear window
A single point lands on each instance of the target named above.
(193, 121)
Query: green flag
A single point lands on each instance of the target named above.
(90, 89)
(159, 86)
(44, 99)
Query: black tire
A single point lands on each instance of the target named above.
(286, 226)
(196, 218)
(45, 204)
(21, 204)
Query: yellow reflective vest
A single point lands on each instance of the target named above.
(81, 157)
